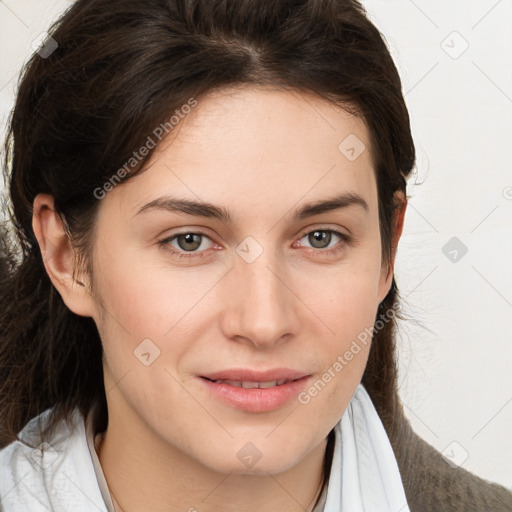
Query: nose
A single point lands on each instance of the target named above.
(262, 306)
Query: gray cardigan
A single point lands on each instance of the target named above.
(432, 485)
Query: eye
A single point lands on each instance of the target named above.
(187, 245)
(324, 240)
(194, 244)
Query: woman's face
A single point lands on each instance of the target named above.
(241, 287)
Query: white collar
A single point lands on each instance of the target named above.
(364, 475)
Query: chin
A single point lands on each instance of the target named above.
(261, 457)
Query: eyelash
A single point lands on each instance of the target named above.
(344, 240)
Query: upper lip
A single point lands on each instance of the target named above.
(249, 375)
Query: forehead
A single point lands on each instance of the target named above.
(260, 118)
(241, 146)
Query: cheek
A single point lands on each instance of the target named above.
(346, 303)
(346, 297)
(146, 332)
(147, 296)
(150, 308)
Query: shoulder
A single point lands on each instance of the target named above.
(55, 473)
(432, 484)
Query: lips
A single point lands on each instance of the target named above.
(255, 391)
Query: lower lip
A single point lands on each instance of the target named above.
(256, 399)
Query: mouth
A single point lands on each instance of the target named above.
(255, 391)
(252, 384)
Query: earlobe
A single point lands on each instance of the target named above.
(59, 256)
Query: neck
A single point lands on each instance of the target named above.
(143, 473)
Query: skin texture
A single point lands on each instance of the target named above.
(260, 154)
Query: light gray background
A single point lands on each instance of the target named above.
(456, 357)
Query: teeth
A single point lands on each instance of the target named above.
(231, 383)
(253, 385)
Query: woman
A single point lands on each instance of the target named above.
(209, 197)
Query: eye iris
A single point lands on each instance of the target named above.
(319, 237)
(192, 241)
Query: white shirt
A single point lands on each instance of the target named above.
(63, 473)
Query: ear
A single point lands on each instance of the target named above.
(59, 256)
(387, 272)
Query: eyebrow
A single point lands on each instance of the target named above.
(208, 210)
